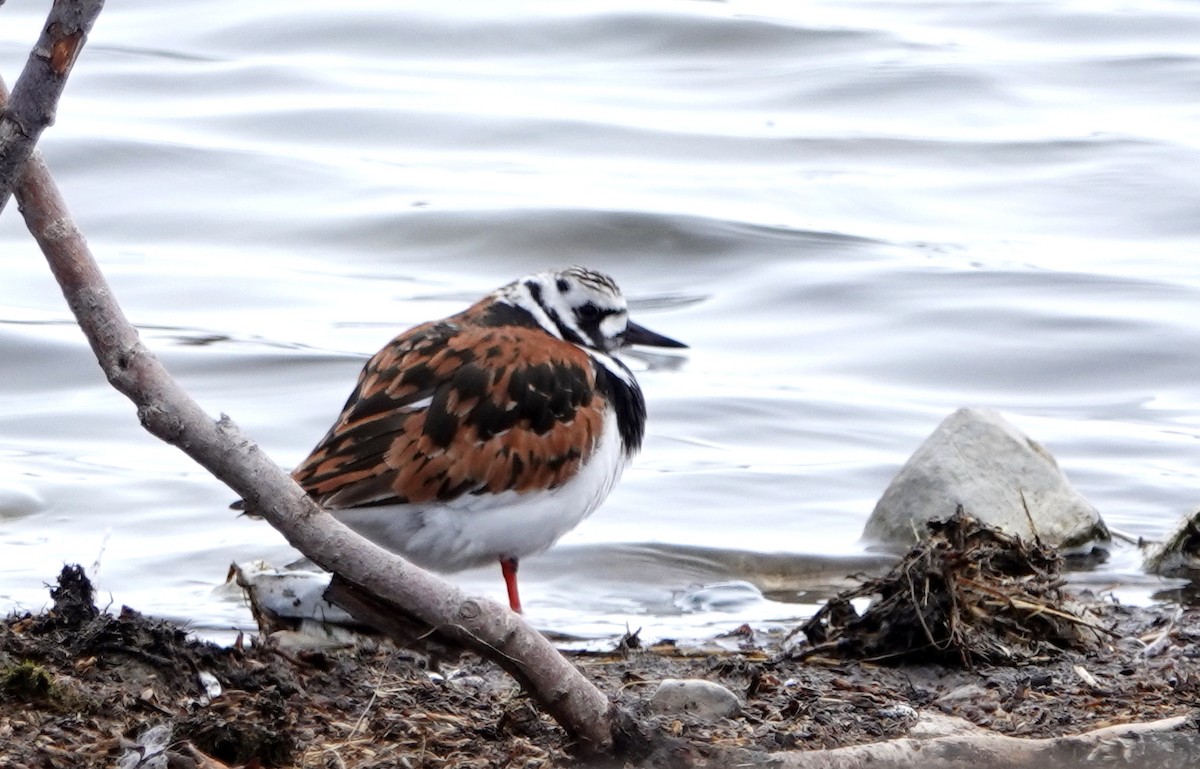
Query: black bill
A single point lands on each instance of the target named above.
(635, 334)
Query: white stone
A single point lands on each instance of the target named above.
(998, 474)
(211, 686)
(150, 750)
(703, 700)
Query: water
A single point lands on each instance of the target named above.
(861, 216)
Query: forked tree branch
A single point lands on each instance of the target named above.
(36, 92)
(169, 413)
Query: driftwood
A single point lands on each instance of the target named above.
(170, 414)
(1171, 743)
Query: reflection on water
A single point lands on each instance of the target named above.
(860, 216)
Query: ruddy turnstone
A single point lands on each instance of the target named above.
(492, 433)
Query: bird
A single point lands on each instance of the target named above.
(488, 435)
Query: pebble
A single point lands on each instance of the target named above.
(703, 700)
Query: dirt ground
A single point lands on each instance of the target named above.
(82, 688)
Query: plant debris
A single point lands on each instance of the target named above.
(85, 689)
(968, 594)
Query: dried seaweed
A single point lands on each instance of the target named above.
(967, 594)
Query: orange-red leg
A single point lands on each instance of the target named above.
(508, 567)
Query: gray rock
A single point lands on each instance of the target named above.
(969, 701)
(1179, 552)
(18, 500)
(702, 700)
(978, 460)
(931, 725)
(965, 693)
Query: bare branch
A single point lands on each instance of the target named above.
(35, 95)
(220, 447)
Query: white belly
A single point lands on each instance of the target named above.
(477, 529)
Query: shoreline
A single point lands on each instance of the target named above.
(79, 687)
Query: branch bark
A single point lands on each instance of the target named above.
(169, 413)
(1171, 743)
(37, 90)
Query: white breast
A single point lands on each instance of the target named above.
(477, 529)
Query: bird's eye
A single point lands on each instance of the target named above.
(589, 312)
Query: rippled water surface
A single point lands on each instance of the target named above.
(860, 215)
